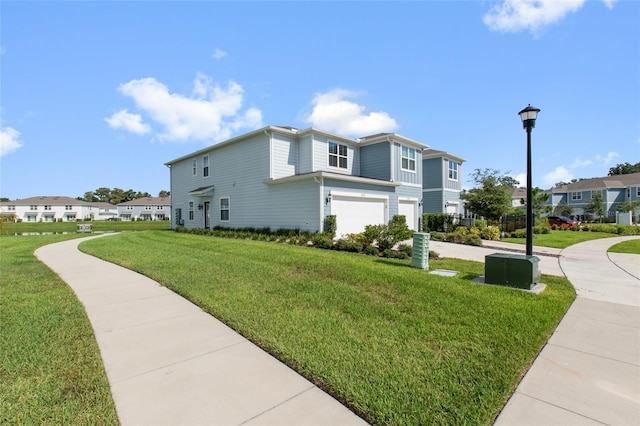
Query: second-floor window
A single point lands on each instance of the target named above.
(33, 207)
(68, 208)
(47, 207)
(194, 167)
(638, 191)
(205, 166)
(337, 155)
(576, 196)
(408, 159)
(453, 170)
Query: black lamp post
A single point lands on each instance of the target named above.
(528, 116)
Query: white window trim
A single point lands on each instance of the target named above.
(337, 155)
(228, 209)
(637, 191)
(207, 166)
(194, 167)
(191, 215)
(409, 159)
(576, 196)
(456, 170)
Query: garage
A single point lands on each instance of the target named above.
(354, 212)
(409, 208)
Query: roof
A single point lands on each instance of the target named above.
(519, 193)
(434, 153)
(48, 200)
(607, 182)
(148, 201)
(292, 131)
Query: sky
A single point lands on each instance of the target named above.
(103, 94)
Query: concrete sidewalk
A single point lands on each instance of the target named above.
(589, 371)
(170, 363)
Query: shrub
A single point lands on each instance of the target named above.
(519, 233)
(490, 233)
(406, 248)
(437, 236)
(434, 254)
(322, 241)
(393, 254)
(371, 251)
(472, 240)
(462, 230)
(481, 223)
(346, 245)
(330, 225)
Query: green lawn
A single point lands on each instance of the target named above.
(51, 371)
(10, 228)
(395, 344)
(631, 247)
(561, 239)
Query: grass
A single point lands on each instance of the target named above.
(10, 228)
(395, 344)
(630, 246)
(561, 239)
(51, 371)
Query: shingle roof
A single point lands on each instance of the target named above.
(148, 201)
(617, 181)
(48, 200)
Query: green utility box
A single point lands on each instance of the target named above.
(420, 254)
(512, 270)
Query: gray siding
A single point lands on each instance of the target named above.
(375, 161)
(321, 157)
(452, 184)
(284, 152)
(406, 176)
(432, 202)
(432, 173)
(305, 154)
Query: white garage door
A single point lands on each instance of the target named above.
(354, 213)
(409, 210)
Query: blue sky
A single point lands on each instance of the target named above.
(102, 94)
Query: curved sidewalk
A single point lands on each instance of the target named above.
(589, 371)
(170, 363)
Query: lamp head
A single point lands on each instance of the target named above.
(528, 116)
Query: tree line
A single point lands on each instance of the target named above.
(116, 195)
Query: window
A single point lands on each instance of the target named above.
(148, 207)
(47, 207)
(408, 158)
(576, 196)
(11, 208)
(68, 208)
(190, 210)
(205, 166)
(194, 167)
(129, 207)
(33, 207)
(453, 170)
(224, 209)
(637, 191)
(337, 155)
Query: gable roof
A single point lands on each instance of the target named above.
(49, 201)
(434, 153)
(148, 201)
(607, 182)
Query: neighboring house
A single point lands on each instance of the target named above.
(442, 182)
(517, 195)
(146, 208)
(281, 177)
(55, 209)
(614, 189)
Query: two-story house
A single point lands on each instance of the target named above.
(442, 182)
(614, 190)
(282, 177)
(146, 208)
(55, 209)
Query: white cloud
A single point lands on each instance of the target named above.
(9, 140)
(333, 112)
(560, 174)
(521, 178)
(213, 113)
(127, 121)
(518, 15)
(607, 159)
(219, 54)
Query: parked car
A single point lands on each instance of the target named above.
(562, 220)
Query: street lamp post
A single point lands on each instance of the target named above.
(528, 116)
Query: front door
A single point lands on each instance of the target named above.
(207, 216)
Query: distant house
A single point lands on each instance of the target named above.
(56, 209)
(282, 177)
(441, 182)
(614, 190)
(146, 208)
(517, 195)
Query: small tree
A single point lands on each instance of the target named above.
(539, 204)
(492, 198)
(596, 206)
(563, 209)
